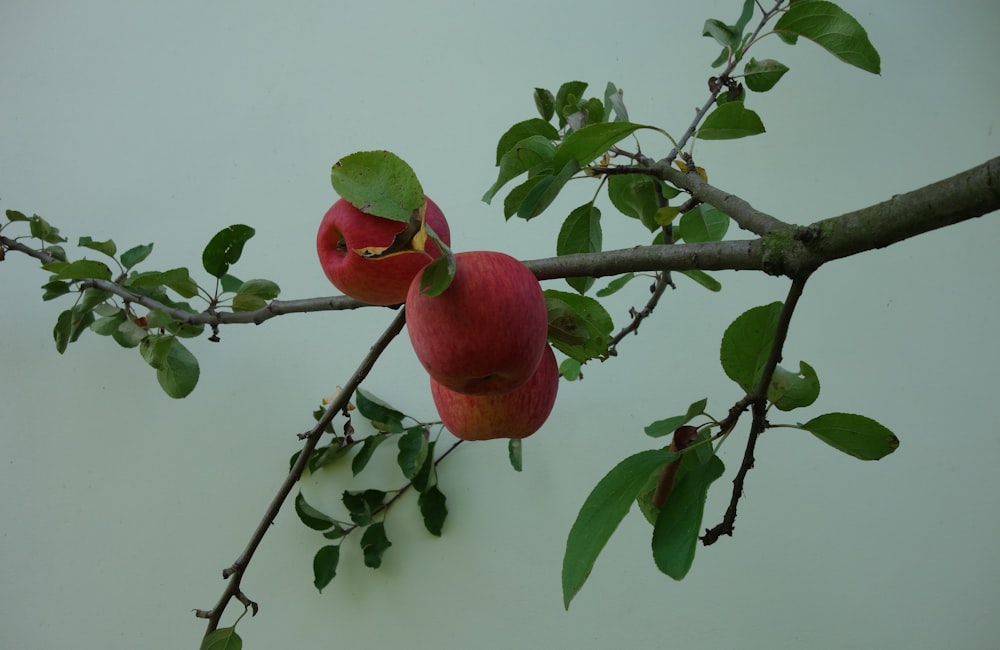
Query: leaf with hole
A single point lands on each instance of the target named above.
(225, 248)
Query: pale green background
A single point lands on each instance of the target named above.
(164, 122)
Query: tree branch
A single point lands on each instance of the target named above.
(235, 572)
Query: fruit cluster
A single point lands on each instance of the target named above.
(483, 340)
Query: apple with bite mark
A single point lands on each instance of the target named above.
(378, 281)
(515, 414)
(485, 333)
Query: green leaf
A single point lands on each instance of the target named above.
(516, 196)
(15, 215)
(580, 233)
(568, 98)
(230, 284)
(310, 516)
(730, 121)
(579, 326)
(856, 435)
(522, 130)
(108, 325)
(42, 229)
(529, 155)
(325, 456)
(433, 509)
(790, 390)
(761, 76)
(703, 224)
(426, 477)
(668, 425)
(107, 247)
(545, 191)
(437, 276)
(368, 447)
(179, 280)
(412, 451)
(833, 29)
(603, 510)
(378, 183)
(704, 279)
(675, 534)
(129, 334)
(54, 289)
(515, 450)
(615, 285)
(57, 252)
(363, 505)
(374, 544)
(79, 270)
(382, 416)
(133, 256)
(746, 344)
(570, 371)
(638, 196)
(325, 565)
(725, 35)
(179, 373)
(224, 638)
(545, 102)
(63, 330)
(255, 294)
(591, 142)
(225, 248)
(613, 102)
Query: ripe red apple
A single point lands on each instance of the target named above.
(515, 414)
(380, 281)
(485, 333)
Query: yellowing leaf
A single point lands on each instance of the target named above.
(411, 239)
(699, 170)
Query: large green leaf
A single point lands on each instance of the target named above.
(382, 416)
(134, 255)
(79, 270)
(791, 390)
(224, 638)
(522, 130)
(107, 247)
(730, 121)
(638, 196)
(225, 248)
(178, 374)
(603, 510)
(413, 448)
(533, 154)
(833, 29)
(310, 516)
(325, 565)
(579, 326)
(545, 191)
(378, 183)
(703, 224)
(857, 435)
(760, 76)
(675, 534)
(746, 344)
(590, 142)
(433, 509)
(580, 233)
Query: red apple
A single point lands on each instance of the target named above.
(380, 281)
(515, 414)
(485, 333)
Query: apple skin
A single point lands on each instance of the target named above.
(486, 332)
(345, 229)
(515, 414)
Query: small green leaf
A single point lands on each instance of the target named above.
(224, 638)
(437, 276)
(668, 425)
(326, 456)
(129, 334)
(179, 373)
(374, 544)
(426, 477)
(433, 509)
(579, 326)
(533, 154)
(42, 229)
(368, 447)
(54, 289)
(522, 130)
(515, 450)
(833, 29)
(613, 102)
(545, 102)
(762, 75)
(378, 183)
(255, 294)
(362, 506)
(725, 35)
(580, 233)
(704, 279)
(730, 121)
(703, 224)
(856, 435)
(638, 196)
(15, 215)
(225, 248)
(567, 99)
(746, 344)
(57, 252)
(325, 565)
(133, 256)
(545, 191)
(310, 516)
(516, 196)
(230, 284)
(675, 534)
(63, 330)
(382, 416)
(790, 390)
(615, 285)
(412, 451)
(570, 371)
(591, 142)
(108, 325)
(603, 510)
(79, 270)
(107, 247)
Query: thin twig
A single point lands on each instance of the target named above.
(757, 399)
(235, 572)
